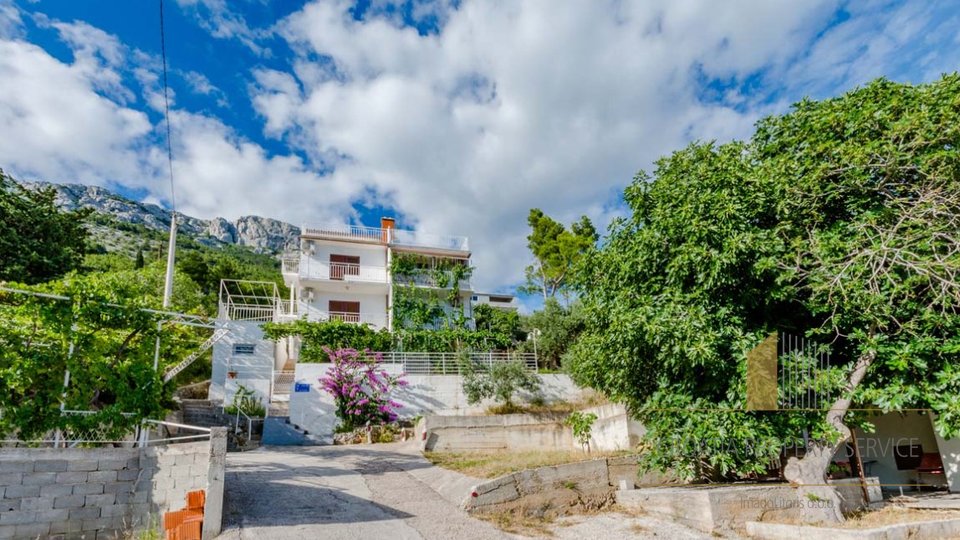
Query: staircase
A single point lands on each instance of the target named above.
(203, 413)
(185, 363)
(206, 413)
(279, 431)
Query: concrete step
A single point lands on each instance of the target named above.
(277, 430)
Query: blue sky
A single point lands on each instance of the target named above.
(455, 116)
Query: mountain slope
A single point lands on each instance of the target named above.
(121, 224)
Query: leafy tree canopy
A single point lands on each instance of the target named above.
(838, 220)
(102, 337)
(556, 327)
(38, 241)
(556, 252)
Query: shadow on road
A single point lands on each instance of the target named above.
(281, 486)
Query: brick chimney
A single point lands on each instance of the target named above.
(387, 224)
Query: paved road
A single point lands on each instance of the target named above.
(352, 492)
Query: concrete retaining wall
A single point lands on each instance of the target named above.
(925, 530)
(613, 430)
(102, 492)
(727, 509)
(554, 490)
(313, 409)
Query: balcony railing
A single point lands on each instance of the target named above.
(395, 237)
(347, 232)
(308, 269)
(376, 320)
(427, 240)
(428, 279)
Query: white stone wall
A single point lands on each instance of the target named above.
(425, 394)
(253, 371)
(94, 492)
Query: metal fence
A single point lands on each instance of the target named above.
(804, 373)
(146, 433)
(445, 363)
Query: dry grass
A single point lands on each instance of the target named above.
(888, 515)
(892, 515)
(590, 399)
(492, 465)
(517, 522)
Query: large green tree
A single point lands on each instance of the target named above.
(556, 251)
(838, 220)
(38, 241)
(99, 328)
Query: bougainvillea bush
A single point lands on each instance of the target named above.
(361, 388)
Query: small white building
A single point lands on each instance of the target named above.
(504, 301)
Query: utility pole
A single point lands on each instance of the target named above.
(171, 249)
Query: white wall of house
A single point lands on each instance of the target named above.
(254, 371)
(313, 409)
(950, 453)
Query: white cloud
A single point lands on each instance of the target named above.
(522, 104)
(55, 125)
(517, 105)
(216, 17)
(510, 105)
(62, 121)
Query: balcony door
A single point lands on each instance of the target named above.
(344, 265)
(345, 311)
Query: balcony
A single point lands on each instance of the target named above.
(308, 269)
(428, 279)
(376, 320)
(388, 236)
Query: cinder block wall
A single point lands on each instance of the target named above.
(103, 492)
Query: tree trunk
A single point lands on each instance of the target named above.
(818, 500)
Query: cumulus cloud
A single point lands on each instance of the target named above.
(508, 106)
(217, 18)
(463, 124)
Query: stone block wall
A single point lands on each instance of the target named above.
(104, 492)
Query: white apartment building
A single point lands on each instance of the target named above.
(340, 273)
(343, 273)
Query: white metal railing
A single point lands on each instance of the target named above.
(248, 300)
(428, 240)
(247, 312)
(398, 237)
(290, 264)
(377, 320)
(346, 232)
(347, 272)
(431, 363)
(429, 279)
(148, 432)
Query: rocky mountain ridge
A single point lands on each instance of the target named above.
(264, 235)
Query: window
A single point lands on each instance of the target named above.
(506, 299)
(474, 298)
(243, 348)
(344, 265)
(345, 311)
